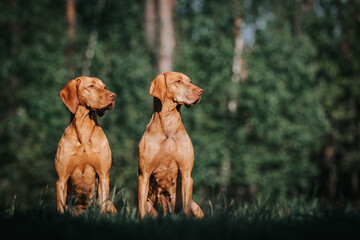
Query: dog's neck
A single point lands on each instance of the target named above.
(167, 116)
(84, 122)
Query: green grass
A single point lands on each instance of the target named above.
(263, 219)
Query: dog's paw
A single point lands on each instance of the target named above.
(108, 207)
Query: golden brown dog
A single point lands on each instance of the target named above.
(166, 155)
(83, 152)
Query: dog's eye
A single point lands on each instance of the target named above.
(91, 86)
(178, 81)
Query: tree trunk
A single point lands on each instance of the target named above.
(239, 74)
(307, 5)
(239, 65)
(90, 51)
(150, 23)
(14, 50)
(330, 164)
(71, 22)
(355, 182)
(166, 34)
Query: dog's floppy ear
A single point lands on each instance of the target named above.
(69, 95)
(158, 87)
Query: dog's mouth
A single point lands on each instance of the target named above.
(194, 103)
(110, 106)
(101, 111)
(186, 103)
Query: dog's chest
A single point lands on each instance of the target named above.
(176, 148)
(94, 147)
(98, 143)
(167, 154)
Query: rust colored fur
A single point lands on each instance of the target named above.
(83, 152)
(166, 155)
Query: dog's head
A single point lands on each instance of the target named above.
(177, 87)
(89, 92)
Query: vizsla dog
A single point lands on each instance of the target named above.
(166, 155)
(83, 152)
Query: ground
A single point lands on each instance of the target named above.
(268, 220)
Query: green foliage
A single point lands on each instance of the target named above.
(30, 78)
(279, 122)
(335, 34)
(280, 114)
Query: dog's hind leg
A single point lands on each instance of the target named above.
(150, 210)
(196, 210)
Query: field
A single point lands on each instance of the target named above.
(263, 219)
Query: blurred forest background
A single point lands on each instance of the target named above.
(280, 114)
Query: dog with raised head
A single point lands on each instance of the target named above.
(83, 153)
(166, 155)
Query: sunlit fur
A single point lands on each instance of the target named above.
(166, 154)
(83, 152)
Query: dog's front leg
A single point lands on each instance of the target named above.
(143, 191)
(61, 192)
(186, 191)
(103, 194)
